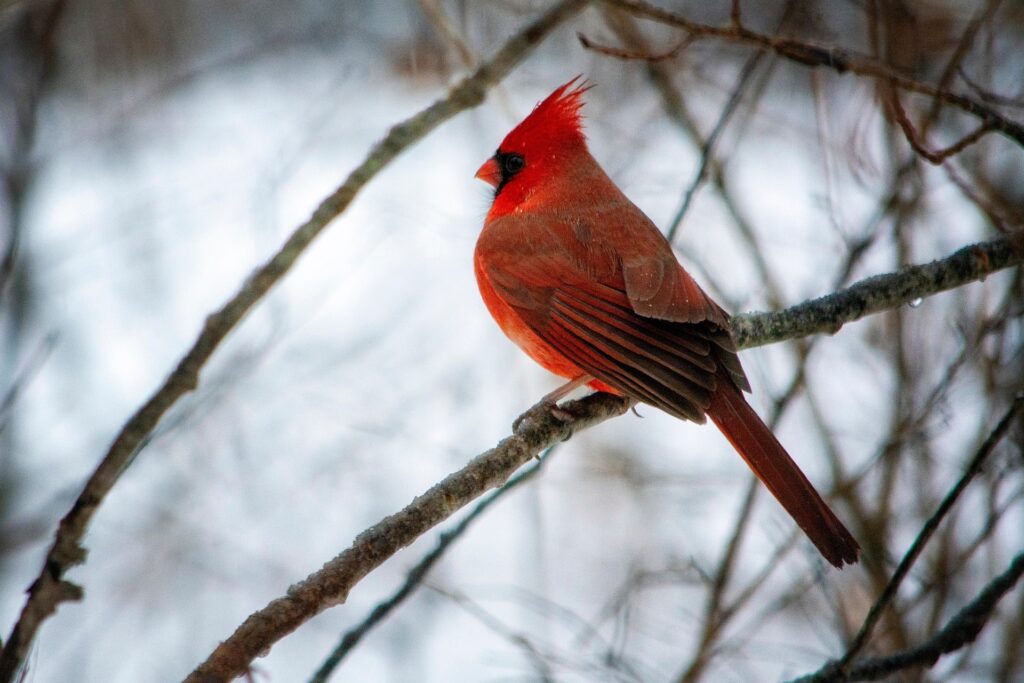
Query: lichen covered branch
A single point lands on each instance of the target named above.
(879, 293)
(539, 429)
(50, 588)
(331, 584)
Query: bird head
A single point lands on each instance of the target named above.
(536, 149)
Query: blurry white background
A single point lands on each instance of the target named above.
(172, 147)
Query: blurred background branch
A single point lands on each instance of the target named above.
(537, 430)
(152, 152)
(835, 58)
(50, 589)
(960, 631)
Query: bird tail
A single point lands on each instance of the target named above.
(773, 466)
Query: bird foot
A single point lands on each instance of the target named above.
(541, 409)
(549, 404)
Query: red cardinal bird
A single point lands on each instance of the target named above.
(583, 281)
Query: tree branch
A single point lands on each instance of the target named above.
(936, 157)
(917, 547)
(50, 589)
(538, 429)
(330, 585)
(958, 631)
(837, 59)
(419, 572)
(829, 313)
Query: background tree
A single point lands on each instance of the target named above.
(154, 154)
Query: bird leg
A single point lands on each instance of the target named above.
(549, 404)
(561, 392)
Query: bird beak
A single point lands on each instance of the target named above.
(489, 173)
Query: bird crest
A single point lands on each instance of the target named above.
(553, 122)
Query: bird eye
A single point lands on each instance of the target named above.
(513, 163)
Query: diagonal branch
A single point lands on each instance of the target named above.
(50, 588)
(539, 429)
(936, 157)
(419, 572)
(881, 292)
(917, 547)
(837, 59)
(707, 150)
(961, 630)
(331, 584)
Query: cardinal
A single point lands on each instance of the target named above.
(583, 282)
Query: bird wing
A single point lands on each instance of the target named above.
(567, 281)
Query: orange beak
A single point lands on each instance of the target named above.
(489, 173)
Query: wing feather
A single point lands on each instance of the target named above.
(692, 347)
(614, 303)
(608, 365)
(668, 368)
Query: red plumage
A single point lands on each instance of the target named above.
(580, 279)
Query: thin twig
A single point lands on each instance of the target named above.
(625, 27)
(632, 55)
(714, 619)
(963, 46)
(435, 13)
(837, 59)
(917, 547)
(541, 660)
(988, 96)
(962, 629)
(878, 608)
(936, 157)
(25, 375)
(418, 573)
(1001, 220)
(537, 429)
(50, 589)
(708, 148)
(708, 145)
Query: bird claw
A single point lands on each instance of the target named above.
(540, 410)
(561, 414)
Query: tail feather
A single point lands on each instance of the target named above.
(773, 466)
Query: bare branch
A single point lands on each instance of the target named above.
(917, 547)
(536, 430)
(708, 148)
(829, 313)
(714, 618)
(958, 631)
(625, 27)
(419, 572)
(619, 53)
(435, 13)
(50, 588)
(1000, 218)
(939, 156)
(988, 96)
(329, 586)
(837, 59)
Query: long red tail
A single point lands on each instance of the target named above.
(773, 466)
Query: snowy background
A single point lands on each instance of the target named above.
(178, 144)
